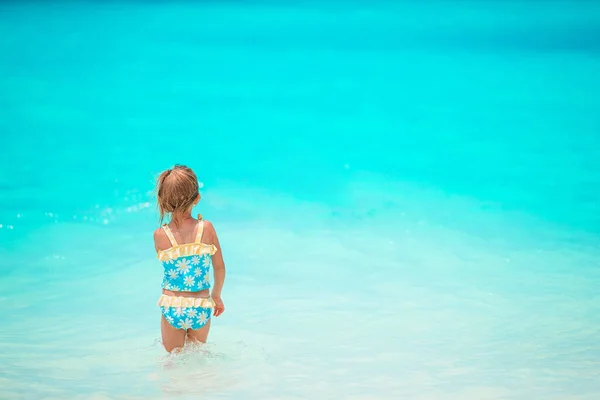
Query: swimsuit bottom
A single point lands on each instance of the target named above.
(186, 312)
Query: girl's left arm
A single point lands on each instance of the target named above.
(219, 271)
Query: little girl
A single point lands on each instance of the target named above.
(187, 248)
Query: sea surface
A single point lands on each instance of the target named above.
(406, 194)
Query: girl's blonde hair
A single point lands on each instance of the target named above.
(176, 190)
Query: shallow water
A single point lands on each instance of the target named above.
(406, 196)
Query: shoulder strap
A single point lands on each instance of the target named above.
(169, 235)
(200, 229)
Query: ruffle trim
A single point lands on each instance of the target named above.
(186, 250)
(185, 302)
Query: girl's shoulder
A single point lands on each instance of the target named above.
(161, 240)
(207, 224)
(209, 231)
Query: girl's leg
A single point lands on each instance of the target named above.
(172, 338)
(199, 335)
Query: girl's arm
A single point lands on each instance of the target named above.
(219, 270)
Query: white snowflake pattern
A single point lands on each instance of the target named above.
(173, 273)
(187, 324)
(191, 312)
(169, 318)
(195, 260)
(179, 311)
(188, 281)
(183, 266)
(203, 317)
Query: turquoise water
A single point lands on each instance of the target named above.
(406, 195)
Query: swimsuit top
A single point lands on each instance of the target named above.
(186, 266)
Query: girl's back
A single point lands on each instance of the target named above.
(187, 248)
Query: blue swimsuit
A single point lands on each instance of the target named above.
(186, 269)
